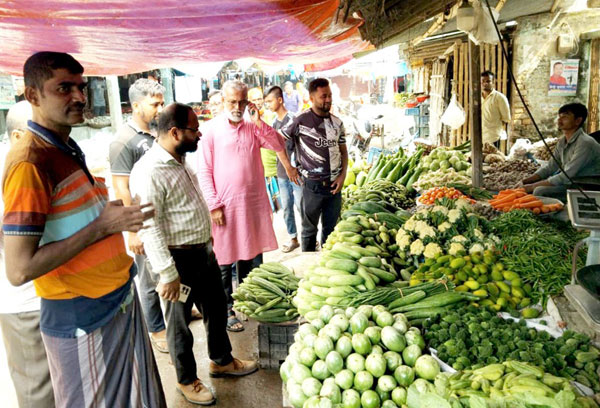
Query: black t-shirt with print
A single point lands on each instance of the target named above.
(317, 141)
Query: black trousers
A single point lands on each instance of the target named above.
(318, 203)
(242, 268)
(199, 270)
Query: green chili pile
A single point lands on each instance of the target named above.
(540, 251)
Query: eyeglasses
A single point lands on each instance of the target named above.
(195, 130)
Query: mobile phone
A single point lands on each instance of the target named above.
(184, 292)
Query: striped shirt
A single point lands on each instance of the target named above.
(49, 193)
(181, 214)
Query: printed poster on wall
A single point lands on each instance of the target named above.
(563, 77)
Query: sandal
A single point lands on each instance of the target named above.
(233, 324)
(290, 246)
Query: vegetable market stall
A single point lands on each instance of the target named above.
(409, 275)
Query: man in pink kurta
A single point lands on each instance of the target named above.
(231, 176)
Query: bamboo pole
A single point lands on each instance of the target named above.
(475, 110)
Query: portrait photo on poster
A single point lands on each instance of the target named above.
(563, 77)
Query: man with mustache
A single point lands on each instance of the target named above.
(61, 231)
(232, 180)
(179, 248)
(323, 161)
(133, 140)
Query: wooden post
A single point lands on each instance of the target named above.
(475, 110)
(114, 102)
(166, 76)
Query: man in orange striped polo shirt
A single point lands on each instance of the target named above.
(62, 233)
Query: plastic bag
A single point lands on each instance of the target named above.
(520, 149)
(454, 116)
(483, 30)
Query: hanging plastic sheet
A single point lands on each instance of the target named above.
(120, 37)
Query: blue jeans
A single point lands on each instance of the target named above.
(291, 194)
(149, 298)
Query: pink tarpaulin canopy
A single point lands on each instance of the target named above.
(119, 37)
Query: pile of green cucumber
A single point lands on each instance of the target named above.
(266, 294)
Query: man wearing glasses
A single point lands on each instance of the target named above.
(232, 179)
(177, 241)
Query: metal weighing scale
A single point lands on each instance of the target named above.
(584, 291)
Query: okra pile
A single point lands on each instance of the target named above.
(266, 294)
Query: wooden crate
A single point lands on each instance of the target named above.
(274, 341)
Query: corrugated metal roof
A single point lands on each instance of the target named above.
(398, 26)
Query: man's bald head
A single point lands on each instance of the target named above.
(16, 120)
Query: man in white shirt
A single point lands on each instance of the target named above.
(495, 112)
(20, 307)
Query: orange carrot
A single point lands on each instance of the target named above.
(537, 210)
(546, 209)
(526, 199)
(532, 204)
(507, 199)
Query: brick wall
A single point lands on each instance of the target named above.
(534, 47)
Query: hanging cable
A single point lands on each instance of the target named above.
(514, 81)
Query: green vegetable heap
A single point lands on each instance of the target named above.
(470, 338)
(266, 294)
(511, 384)
(397, 168)
(540, 251)
(355, 357)
(392, 197)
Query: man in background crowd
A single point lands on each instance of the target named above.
(495, 112)
(98, 87)
(291, 193)
(20, 308)
(232, 180)
(268, 157)
(291, 98)
(215, 102)
(322, 160)
(133, 140)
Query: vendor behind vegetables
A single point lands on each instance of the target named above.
(577, 153)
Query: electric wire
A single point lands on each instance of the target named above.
(514, 81)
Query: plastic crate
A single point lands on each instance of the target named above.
(274, 341)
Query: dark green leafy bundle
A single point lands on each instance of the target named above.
(471, 337)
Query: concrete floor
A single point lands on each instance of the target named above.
(261, 389)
